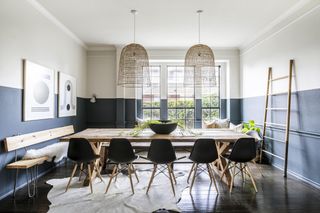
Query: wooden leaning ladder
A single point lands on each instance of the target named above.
(287, 109)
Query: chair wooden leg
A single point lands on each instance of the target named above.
(170, 177)
(241, 171)
(251, 177)
(212, 176)
(232, 177)
(194, 177)
(214, 179)
(171, 171)
(130, 177)
(90, 178)
(152, 176)
(254, 162)
(112, 175)
(98, 173)
(117, 172)
(81, 170)
(209, 172)
(135, 173)
(224, 170)
(190, 172)
(72, 174)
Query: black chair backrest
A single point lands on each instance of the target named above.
(204, 151)
(120, 150)
(244, 150)
(80, 150)
(161, 151)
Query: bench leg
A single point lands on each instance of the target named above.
(15, 183)
(33, 181)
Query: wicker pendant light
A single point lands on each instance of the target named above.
(199, 63)
(134, 63)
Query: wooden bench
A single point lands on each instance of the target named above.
(31, 165)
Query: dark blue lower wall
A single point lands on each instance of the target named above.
(304, 157)
(121, 113)
(11, 124)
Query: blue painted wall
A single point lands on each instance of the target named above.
(11, 124)
(304, 157)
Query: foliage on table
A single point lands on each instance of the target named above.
(250, 126)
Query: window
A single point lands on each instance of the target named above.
(151, 95)
(180, 98)
(180, 102)
(210, 99)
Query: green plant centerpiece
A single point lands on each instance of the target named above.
(158, 126)
(250, 126)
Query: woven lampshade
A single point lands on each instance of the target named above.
(133, 66)
(201, 58)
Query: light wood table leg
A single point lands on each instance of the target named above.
(97, 149)
(221, 164)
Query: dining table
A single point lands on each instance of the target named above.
(99, 139)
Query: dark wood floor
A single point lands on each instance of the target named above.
(276, 194)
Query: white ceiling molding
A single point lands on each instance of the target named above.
(102, 47)
(295, 13)
(35, 4)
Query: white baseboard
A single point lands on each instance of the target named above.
(300, 177)
(24, 184)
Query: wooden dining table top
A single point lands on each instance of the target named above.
(106, 134)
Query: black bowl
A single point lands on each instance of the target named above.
(163, 128)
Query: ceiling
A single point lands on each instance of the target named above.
(167, 23)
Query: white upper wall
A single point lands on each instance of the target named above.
(103, 65)
(299, 40)
(26, 34)
(102, 73)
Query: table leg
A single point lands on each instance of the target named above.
(221, 163)
(96, 164)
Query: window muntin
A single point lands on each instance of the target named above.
(181, 102)
(151, 95)
(210, 99)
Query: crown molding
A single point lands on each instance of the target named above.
(102, 47)
(295, 13)
(36, 5)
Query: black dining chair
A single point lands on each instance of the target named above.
(258, 141)
(161, 152)
(243, 151)
(81, 152)
(121, 154)
(204, 151)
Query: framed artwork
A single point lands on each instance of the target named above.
(67, 95)
(38, 93)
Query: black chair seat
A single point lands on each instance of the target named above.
(161, 151)
(80, 150)
(244, 150)
(121, 151)
(128, 159)
(204, 151)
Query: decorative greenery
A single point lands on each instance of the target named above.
(250, 126)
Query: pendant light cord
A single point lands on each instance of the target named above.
(199, 12)
(134, 12)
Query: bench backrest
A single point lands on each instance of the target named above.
(21, 141)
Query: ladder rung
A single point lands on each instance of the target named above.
(272, 108)
(274, 139)
(280, 78)
(277, 156)
(275, 124)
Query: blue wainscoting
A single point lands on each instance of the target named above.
(304, 155)
(11, 124)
